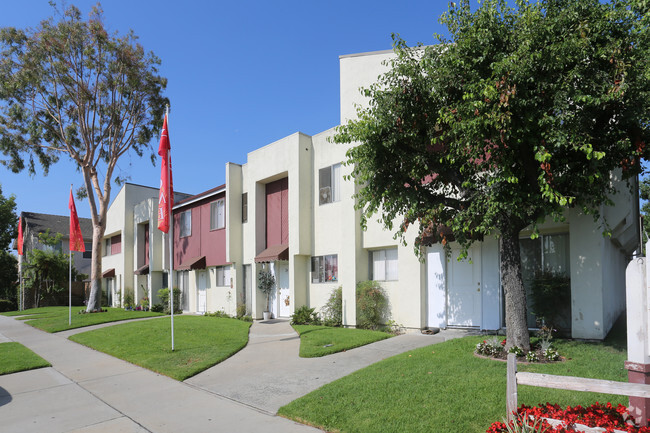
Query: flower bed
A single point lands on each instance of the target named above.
(493, 348)
(550, 418)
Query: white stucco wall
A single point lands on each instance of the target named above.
(359, 70)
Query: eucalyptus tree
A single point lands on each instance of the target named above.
(521, 113)
(70, 88)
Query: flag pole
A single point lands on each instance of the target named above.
(21, 300)
(70, 278)
(171, 232)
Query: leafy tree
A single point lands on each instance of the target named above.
(8, 232)
(69, 87)
(524, 112)
(46, 270)
(644, 193)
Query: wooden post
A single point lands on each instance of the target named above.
(638, 342)
(511, 387)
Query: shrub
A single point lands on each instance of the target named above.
(128, 299)
(333, 309)
(490, 347)
(7, 305)
(372, 305)
(246, 318)
(219, 313)
(241, 311)
(163, 294)
(305, 316)
(157, 308)
(532, 357)
(266, 282)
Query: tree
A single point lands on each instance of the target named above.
(524, 112)
(644, 193)
(8, 263)
(71, 88)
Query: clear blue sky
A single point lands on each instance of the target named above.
(241, 75)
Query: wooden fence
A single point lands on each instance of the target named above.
(565, 382)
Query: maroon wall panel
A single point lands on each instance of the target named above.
(202, 241)
(277, 215)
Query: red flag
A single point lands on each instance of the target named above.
(76, 238)
(166, 196)
(19, 241)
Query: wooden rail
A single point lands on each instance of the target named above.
(565, 382)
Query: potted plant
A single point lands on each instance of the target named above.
(266, 283)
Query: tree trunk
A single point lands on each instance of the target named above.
(95, 297)
(513, 286)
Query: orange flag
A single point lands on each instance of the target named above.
(19, 241)
(76, 238)
(166, 196)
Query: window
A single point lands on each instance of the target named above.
(56, 248)
(222, 276)
(112, 245)
(88, 254)
(547, 253)
(218, 214)
(244, 207)
(185, 224)
(384, 265)
(324, 269)
(329, 184)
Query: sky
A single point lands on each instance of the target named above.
(240, 75)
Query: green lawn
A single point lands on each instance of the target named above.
(55, 319)
(199, 343)
(324, 340)
(445, 388)
(15, 357)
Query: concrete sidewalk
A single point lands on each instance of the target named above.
(88, 391)
(268, 373)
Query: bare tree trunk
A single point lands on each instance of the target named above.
(95, 297)
(513, 285)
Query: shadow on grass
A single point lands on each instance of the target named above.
(617, 337)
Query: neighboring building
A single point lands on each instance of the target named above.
(133, 252)
(35, 223)
(202, 272)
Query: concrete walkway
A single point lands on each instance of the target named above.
(268, 373)
(88, 391)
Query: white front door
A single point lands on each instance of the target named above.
(464, 288)
(201, 287)
(282, 271)
(436, 287)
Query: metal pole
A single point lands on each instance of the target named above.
(171, 231)
(21, 300)
(70, 274)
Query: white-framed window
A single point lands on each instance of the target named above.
(185, 223)
(548, 253)
(217, 214)
(329, 184)
(222, 274)
(384, 265)
(113, 245)
(324, 269)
